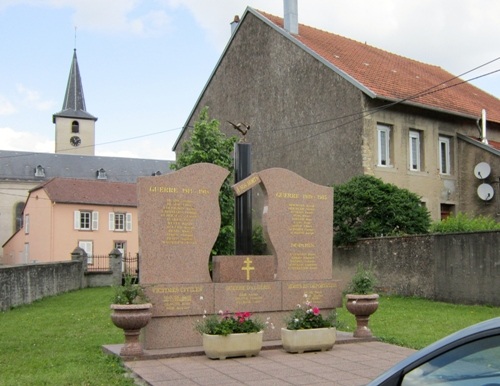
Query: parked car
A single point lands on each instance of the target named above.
(468, 357)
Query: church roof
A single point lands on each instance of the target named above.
(381, 74)
(74, 100)
(22, 166)
(73, 191)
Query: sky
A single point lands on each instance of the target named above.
(144, 63)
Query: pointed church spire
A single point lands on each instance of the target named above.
(74, 101)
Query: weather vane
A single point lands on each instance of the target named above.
(243, 128)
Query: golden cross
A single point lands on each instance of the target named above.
(247, 267)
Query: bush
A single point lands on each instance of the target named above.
(463, 223)
(208, 144)
(259, 245)
(365, 206)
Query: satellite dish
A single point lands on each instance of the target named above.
(485, 192)
(482, 170)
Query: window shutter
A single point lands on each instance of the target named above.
(95, 221)
(111, 221)
(27, 224)
(77, 219)
(128, 222)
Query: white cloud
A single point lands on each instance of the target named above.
(116, 16)
(24, 141)
(6, 108)
(33, 98)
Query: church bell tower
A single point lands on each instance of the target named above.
(75, 127)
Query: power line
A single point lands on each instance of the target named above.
(363, 114)
(98, 144)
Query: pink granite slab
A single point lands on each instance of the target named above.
(234, 269)
(298, 221)
(179, 221)
(181, 299)
(240, 297)
(321, 293)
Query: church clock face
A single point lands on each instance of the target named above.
(75, 141)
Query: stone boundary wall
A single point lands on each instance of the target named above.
(23, 284)
(455, 267)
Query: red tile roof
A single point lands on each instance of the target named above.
(394, 77)
(94, 192)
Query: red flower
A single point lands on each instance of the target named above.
(316, 311)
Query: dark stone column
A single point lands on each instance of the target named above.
(243, 204)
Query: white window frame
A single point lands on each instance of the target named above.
(88, 247)
(384, 145)
(127, 222)
(414, 151)
(93, 220)
(444, 155)
(26, 224)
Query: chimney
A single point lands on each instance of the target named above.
(235, 23)
(291, 16)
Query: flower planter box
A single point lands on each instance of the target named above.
(232, 345)
(315, 339)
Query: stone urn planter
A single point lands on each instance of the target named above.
(314, 339)
(362, 306)
(232, 345)
(131, 318)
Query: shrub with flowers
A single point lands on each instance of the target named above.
(309, 316)
(226, 323)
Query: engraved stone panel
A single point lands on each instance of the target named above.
(298, 219)
(263, 296)
(179, 220)
(242, 269)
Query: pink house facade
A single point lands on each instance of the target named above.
(62, 214)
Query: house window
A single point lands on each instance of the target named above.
(19, 215)
(415, 150)
(384, 145)
(75, 127)
(39, 171)
(86, 220)
(88, 247)
(120, 222)
(101, 174)
(26, 224)
(444, 156)
(446, 211)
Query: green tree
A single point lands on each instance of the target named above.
(208, 144)
(365, 206)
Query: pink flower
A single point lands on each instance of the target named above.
(316, 311)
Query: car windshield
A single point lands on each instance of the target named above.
(474, 363)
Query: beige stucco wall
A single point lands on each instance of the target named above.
(52, 236)
(11, 193)
(86, 134)
(434, 188)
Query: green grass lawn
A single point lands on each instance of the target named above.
(416, 322)
(57, 341)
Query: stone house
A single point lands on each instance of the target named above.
(330, 108)
(62, 214)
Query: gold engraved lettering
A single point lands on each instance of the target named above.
(177, 302)
(181, 216)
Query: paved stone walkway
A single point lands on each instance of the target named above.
(347, 364)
